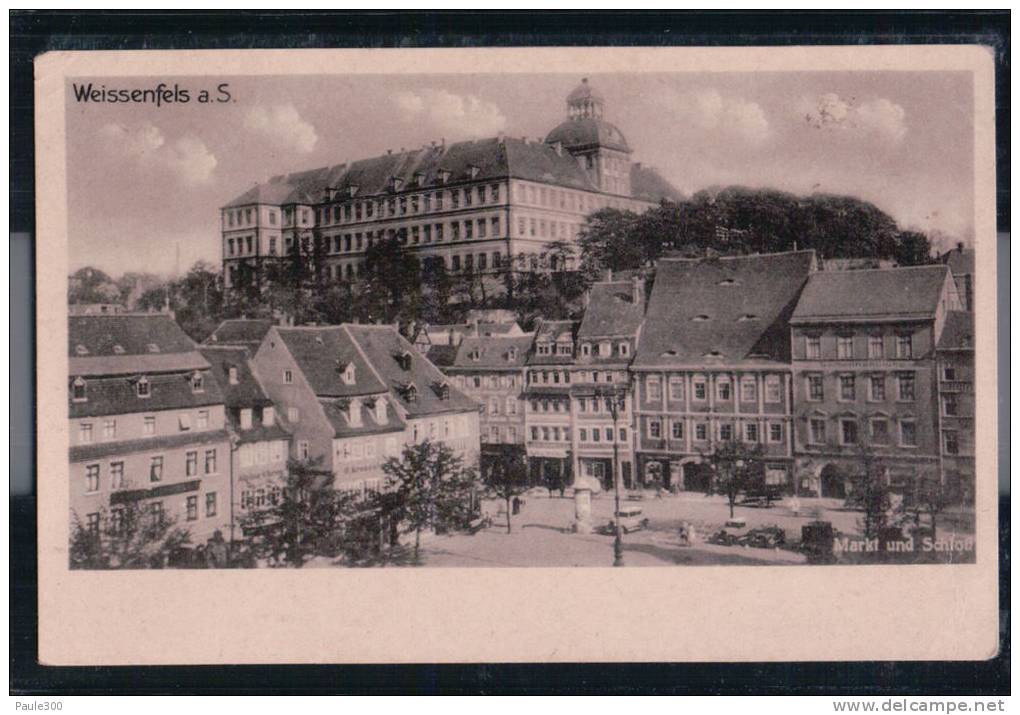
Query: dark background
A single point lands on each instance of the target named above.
(32, 33)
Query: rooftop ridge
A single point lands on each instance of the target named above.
(682, 259)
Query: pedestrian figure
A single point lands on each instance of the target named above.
(216, 551)
(516, 506)
(795, 505)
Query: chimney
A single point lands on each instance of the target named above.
(389, 152)
(959, 247)
(500, 138)
(637, 289)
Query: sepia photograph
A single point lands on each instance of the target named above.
(408, 316)
(686, 320)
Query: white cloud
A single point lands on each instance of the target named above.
(454, 114)
(187, 157)
(715, 113)
(876, 117)
(282, 124)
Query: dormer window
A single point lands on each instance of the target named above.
(475, 354)
(700, 318)
(346, 370)
(118, 349)
(713, 354)
(444, 390)
(544, 348)
(419, 178)
(245, 418)
(410, 393)
(78, 390)
(747, 316)
(152, 348)
(354, 412)
(727, 282)
(197, 382)
(81, 350)
(585, 349)
(404, 360)
(232, 375)
(396, 183)
(444, 175)
(142, 388)
(352, 190)
(380, 411)
(511, 354)
(473, 170)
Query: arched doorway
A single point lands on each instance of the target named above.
(833, 482)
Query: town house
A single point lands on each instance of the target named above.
(713, 365)
(863, 348)
(148, 425)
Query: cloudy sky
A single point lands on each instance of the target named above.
(144, 180)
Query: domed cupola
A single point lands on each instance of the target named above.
(585, 102)
(599, 147)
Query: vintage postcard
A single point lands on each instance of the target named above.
(517, 355)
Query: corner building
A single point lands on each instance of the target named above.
(864, 367)
(148, 425)
(469, 206)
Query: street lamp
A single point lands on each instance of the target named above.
(614, 410)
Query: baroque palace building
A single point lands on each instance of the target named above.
(470, 205)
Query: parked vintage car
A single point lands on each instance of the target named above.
(631, 517)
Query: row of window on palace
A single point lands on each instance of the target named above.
(427, 202)
(142, 384)
(414, 235)
(845, 350)
(847, 387)
(748, 385)
(117, 479)
(87, 432)
(655, 428)
(156, 513)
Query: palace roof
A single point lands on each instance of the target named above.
(438, 165)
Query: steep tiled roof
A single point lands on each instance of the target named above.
(493, 352)
(111, 352)
(247, 392)
(442, 355)
(727, 310)
(612, 311)
(321, 353)
(960, 261)
(958, 331)
(337, 414)
(872, 294)
(126, 334)
(382, 345)
(167, 391)
(272, 192)
(240, 332)
(648, 184)
(490, 159)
